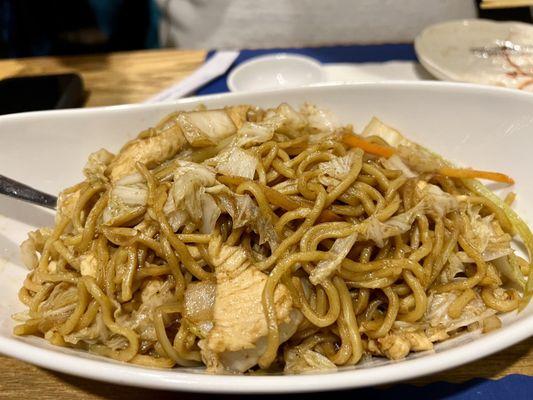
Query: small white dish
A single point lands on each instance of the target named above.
(277, 71)
(479, 51)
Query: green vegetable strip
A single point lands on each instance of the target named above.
(518, 224)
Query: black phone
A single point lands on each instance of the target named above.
(44, 92)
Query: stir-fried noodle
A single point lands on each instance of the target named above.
(248, 239)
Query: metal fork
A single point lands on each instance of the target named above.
(20, 191)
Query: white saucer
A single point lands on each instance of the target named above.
(278, 71)
(479, 51)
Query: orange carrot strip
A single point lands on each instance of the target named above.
(472, 173)
(369, 147)
(279, 199)
(384, 151)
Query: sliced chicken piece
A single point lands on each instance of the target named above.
(238, 337)
(197, 128)
(88, 265)
(239, 318)
(97, 164)
(397, 345)
(149, 149)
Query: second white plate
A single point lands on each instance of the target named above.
(479, 51)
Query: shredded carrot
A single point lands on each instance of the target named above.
(279, 199)
(369, 147)
(472, 174)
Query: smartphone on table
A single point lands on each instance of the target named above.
(43, 92)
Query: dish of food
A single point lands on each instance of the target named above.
(276, 239)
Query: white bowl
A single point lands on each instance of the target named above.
(485, 127)
(277, 71)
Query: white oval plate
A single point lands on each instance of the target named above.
(484, 127)
(479, 51)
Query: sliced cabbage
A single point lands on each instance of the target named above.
(199, 301)
(373, 229)
(235, 162)
(485, 235)
(415, 156)
(210, 213)
(188, 195)
(426, 157)
(91, 334)
(206, 128)
(293, 120)
(252, 133)
(245, 212)
(127, 194)
(132, 195)
(455, 266)
(319, 119)
(436, 200)
(518, 225)
(339, 167)
(153, 295)
(395, 163)
(339, 251)
(437, 311)
(298, 361)
(193, 135)
(510, 270)
(377, 128)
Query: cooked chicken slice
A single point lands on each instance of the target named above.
(150, 149)
(238, 337)
(198, 128)
(243, 360)
(397, 345)
(97, 164)
(239, 318)
(88, 265)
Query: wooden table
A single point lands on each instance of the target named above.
(128, 78)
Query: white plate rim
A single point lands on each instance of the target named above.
(117, 373)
